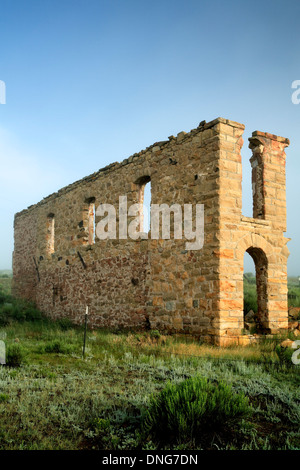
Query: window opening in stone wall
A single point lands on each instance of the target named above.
(255, 291)
(258, 192)
(247, 188)
(91, 221)
(145, 203)
(50, 234)
(87, 226)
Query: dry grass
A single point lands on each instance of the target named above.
(261, 351)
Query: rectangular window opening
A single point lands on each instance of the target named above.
(91, 222)
(50, 234)
(88, 223)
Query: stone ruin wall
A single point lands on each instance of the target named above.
(158, 283)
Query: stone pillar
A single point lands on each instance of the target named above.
(229, 319)
(268, 178)
(269, 203)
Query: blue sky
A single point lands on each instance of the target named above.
(92, 82)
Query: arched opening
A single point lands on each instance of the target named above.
(247, 187)
(89, 220)
(255, 291)
(250, 294)
(50, 234)
(147, 207)
(144, 197)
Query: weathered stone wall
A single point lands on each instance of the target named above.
(158, 283)
(262, 236)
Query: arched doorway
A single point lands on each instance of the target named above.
(250, 294)
(261, 315)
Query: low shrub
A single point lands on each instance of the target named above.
(65, 324)
(284, 354)
(4, 318)
(17, 310)
(184, 411)
(3, 296)
(154, 334)
(14, 355)
(57, 347)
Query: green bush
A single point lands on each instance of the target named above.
(155, 334)
(14, 355)
(284, 354)
(65, 324)
(32, 313)
(184, 411)
(17, 310)
(4, 318)
(57, 347)
(3, 296)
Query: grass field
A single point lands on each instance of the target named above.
(51, 397)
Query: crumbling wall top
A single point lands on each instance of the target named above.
(157, 146)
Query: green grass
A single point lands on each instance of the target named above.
(54, 399)
(57, 400)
